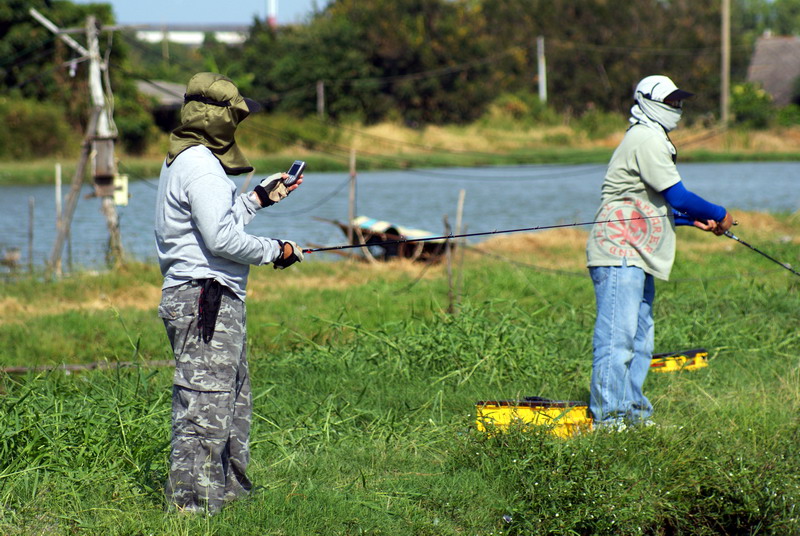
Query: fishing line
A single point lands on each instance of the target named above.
(467, 235)
(776, 261)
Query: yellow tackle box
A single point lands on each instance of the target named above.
(686, 360)
(563, 418)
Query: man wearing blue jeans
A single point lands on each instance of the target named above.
(642, 200)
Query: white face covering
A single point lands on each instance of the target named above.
(647, 111)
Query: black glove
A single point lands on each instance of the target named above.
(271, 190)
(287, 259)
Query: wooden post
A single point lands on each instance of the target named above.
(321, 99)
(57, 31)
(31, 205)
(104, 165)
(164, 45)
(460, 286)
(102, 141)
(57, 267)
(459, 216)
(451, 308)
(351, 205)
(726, 63)
(69, 251)
(72, 197)
(542, 69)
(114, 254)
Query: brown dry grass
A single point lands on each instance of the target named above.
(138, 297)
(142, 296)
(482, 138)
(778, 140)
(342, 275)
(561, 249)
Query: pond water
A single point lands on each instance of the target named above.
(497, 198)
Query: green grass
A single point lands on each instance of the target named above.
(364, 417)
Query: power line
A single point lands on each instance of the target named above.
(628, 50)
(31, 48)
(325, 199)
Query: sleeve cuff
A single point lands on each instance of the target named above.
(252, 202)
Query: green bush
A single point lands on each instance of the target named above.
(751, 106)
(522, 106)
(31, 129)
(788, 115)
(135, 124)
(270, 133)
(599, 124)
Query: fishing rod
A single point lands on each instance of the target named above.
(776, 261)
(451, 236)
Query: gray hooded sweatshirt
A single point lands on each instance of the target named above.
(200, 221)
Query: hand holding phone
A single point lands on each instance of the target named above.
(294, 172)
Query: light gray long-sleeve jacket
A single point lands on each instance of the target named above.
(199, 224)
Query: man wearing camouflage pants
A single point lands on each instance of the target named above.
(205, 257)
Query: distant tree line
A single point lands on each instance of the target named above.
(445, 60)
(417, 61)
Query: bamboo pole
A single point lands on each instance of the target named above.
(31, 206)
(72, 197)
(57, 267)
(451, 309)
(459, 218)
(351, 204)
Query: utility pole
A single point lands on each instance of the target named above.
(320, 99)
(542, 69)
(272, 13)
(104, 163)
(103, 134)
(725, 89)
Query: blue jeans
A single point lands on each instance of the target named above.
(622, 344)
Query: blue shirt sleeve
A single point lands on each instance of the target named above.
(689, 207)
(681, 219)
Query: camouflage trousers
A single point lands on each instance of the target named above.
(211, 402)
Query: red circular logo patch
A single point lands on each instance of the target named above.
(629, 228)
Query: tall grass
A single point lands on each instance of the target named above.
(364, 418)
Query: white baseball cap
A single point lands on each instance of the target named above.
(660, 88)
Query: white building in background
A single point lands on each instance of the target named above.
(192, 34)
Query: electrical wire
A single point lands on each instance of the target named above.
(629, 50)
(24, 52)
(41, 74)
(325, 199)
(137, 176)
